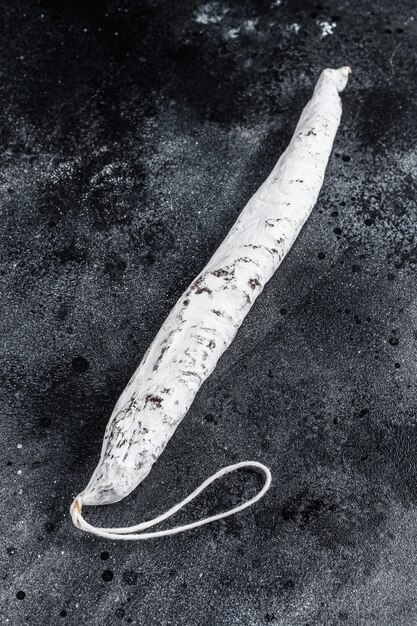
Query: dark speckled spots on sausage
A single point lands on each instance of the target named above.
(164, 349)
(253, 283)
(272, 221)
(197, 283)
(245, 259)
(220, 272)
(154, 400)
(190, 373)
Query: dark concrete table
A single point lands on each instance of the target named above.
(131, 137)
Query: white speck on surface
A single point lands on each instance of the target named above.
(232, 33)
(63, 170)
(19, 472)
(294, 28)
(210, 13)
(326, 28)
(276, 3)
(250, 25)
(19, 446)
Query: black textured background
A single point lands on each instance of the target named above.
(132, 133)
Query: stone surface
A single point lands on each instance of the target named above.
(132, 135)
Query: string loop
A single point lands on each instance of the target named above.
(135, 532)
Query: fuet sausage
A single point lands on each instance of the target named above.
(204, 321)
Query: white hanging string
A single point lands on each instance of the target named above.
(134, 532)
